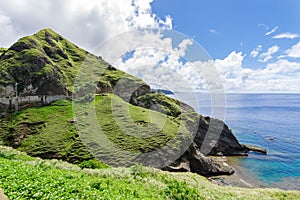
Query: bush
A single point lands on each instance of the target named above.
(92, 164)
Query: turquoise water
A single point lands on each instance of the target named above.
(254, 119)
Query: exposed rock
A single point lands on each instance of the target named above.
(215, 138)
(7, 90)
(254, 148)
(271, 138)
(129, 90)
(2, 195)
(194, 161)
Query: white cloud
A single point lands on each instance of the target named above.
(85, 22)
(264, 57)
(287, 36)
(294, 51)
(213, 31)
(8, 31)
(281, 75)
(256, 51)
(183, 46)
(271, 31)
(263, 25)
(161, 65)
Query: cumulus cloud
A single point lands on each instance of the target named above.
(256, 51)
(157, 66)
(294, 51)
(163, 65)
(264, 57)
(8, 31)
(281, 75)
(271, 31)
(85, 22)
(287, 36)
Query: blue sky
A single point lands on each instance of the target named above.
(222, 26)
(254, 44)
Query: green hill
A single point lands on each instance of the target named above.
(47, 63)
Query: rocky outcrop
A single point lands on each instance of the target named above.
(7, 90)
(215, 138)
(212, 138)
(194, 161)
(255, 148)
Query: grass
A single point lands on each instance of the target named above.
(2, 50)
(119, 132)
(46, 132)
(50, 131)
(24, 177)
(165, 104)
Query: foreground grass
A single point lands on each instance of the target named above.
(24, 177)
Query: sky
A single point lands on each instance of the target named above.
(254, 45)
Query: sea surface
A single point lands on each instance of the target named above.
(271, 121)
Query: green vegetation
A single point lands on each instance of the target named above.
(130, 129)
(164, 103)
(47, 132)
(24, 177)
(140, 128)
(2, 50)
(46, 52)
(50, 132)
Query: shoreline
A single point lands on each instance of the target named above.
(240, 178)
(243, 178)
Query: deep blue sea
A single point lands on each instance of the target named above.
(271, 121)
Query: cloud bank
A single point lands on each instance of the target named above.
(84, 22)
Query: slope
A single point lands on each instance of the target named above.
(24, 177)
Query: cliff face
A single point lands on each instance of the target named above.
(47, 64)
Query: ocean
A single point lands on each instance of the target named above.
(271, 121)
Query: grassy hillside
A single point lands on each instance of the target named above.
(24, 177)
(50, 132)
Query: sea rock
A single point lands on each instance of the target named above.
(254, 148)
(215, 138)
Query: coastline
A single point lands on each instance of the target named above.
(241, 178)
